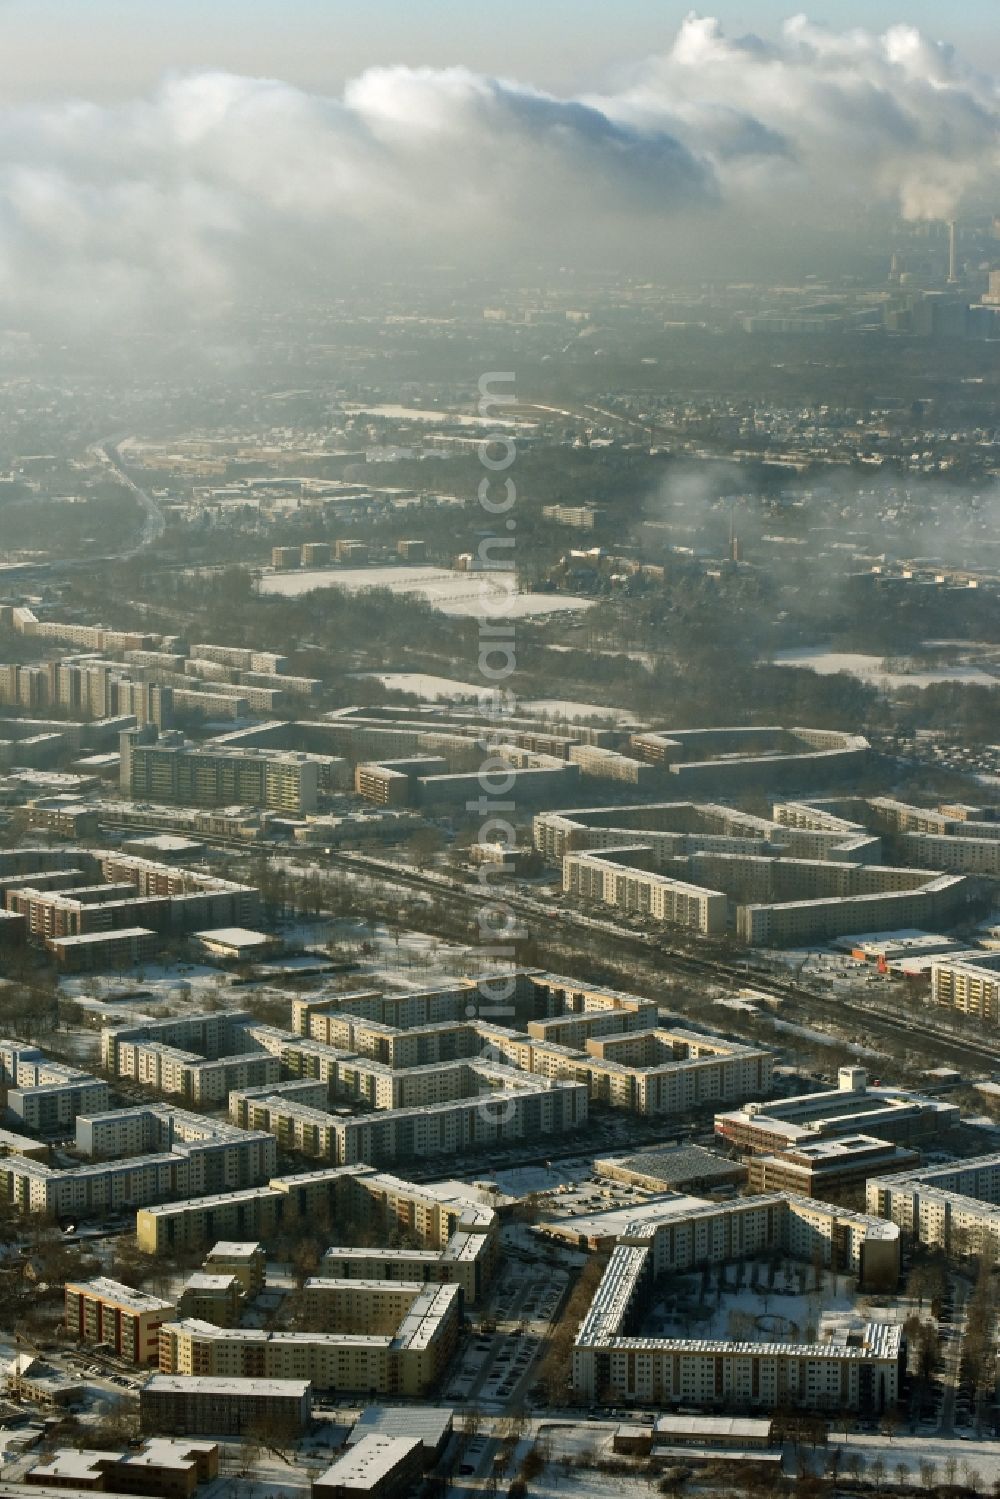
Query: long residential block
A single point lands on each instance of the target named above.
(859, 1372)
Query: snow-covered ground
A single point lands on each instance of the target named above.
(982, 1456)
(872, 668)
(440, 418)
(567, 709)
(480, 595)
(519, 1181)
(559, 1482)
(741, 1303)
(430, 688)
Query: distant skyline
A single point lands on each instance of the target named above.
(110, 49)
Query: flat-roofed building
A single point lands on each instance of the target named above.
(954, 1207)
(211, 1298)
(408, 1357)
(829, 1168)
(377, 1467)
(12, 1144)
(723, 1433)
(859, 1367)
(852, 1108)
(225, 1406)
(677, 1168)
(51, 1107)
(971, 987)
(432, 1425)
(105, 1311)
(247, 1261)
(128, 947)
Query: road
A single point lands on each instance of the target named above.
(154, 523)
(952, 1357)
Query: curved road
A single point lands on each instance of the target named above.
(154, 523)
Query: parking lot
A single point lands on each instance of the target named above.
(497, 1367)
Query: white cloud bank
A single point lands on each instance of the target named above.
(220, 184)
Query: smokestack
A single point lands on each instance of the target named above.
(952, 252)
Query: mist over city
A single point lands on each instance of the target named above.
(499, 749)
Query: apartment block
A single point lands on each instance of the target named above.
(467, 1261)
(212, 1034)
(128, 947)
(210, 1297)
(172, 770)
(49, 1108)
(618, 879)
(958, 855)
(520, 1111)
(226, 1406)
(859, 1371)
(237, 1160)
(244, 1261)
(406, 1359)
(972, 988)
(954, 1207)
(430, 1214)
(105, 1311)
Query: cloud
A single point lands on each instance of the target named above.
(219, 187)
(842, 116)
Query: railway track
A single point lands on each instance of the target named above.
(940, 1043)
(943, 1043)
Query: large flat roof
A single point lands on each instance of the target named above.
(204, 1384)
(429, 1423)
(370, 1462)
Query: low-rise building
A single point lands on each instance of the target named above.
(828, 1168)
(377, 1467)
(186, 1404)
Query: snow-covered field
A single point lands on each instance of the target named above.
(430, 688)
(567, 709)
(429, 414)
(872, 668)
(585, 1483)
(479, 595)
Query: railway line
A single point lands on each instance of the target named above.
(852, 1018)
(944, 1045)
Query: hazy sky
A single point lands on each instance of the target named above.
(105, 49)
(163, 155)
